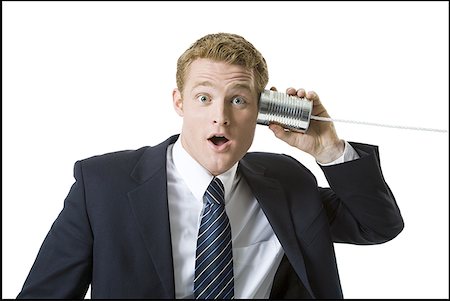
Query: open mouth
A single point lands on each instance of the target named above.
(218, 140)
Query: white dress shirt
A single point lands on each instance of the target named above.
(257, 252)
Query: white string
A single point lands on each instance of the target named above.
(376, 124)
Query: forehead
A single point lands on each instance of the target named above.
(216, 73)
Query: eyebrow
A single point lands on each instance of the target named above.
(204, 83)
(242, 86)
(235, 86)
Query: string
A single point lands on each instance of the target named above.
(376, 124)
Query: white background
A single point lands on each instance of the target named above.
(86, 78)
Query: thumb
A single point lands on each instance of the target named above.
(282, 134)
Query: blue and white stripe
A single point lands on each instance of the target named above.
(214, 277)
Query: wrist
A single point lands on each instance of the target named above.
(331, 152)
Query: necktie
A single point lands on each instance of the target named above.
(214, 277)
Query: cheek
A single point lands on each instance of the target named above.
(250, 133)
(247, 132)
(249, 121)
(194, 119)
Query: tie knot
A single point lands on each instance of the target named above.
(215, 193)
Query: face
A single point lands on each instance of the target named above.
(219, 106)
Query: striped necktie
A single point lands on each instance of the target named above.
(214, 277)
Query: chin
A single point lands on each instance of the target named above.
(218, 169)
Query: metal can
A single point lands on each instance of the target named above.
(293, 113)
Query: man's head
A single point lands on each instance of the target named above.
(228, 48)
(219, 80)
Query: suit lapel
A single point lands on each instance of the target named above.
(149, 205)
(272, 200)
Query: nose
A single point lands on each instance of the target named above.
(221, 114)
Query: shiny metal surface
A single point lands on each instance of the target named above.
(291, 112)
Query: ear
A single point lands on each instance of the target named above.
(177, 102)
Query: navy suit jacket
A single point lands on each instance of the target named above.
(114, 234)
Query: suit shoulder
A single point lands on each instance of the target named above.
(265, 157)
(116, 156)
(124, 161)
(277, 162)
(113, 163)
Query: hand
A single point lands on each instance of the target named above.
(320, 140)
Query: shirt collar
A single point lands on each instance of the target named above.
(196, 177)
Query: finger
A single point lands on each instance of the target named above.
(301, 93)
(311, 95)
(318, 108)
(291, 91)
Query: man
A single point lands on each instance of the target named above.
(130, 224)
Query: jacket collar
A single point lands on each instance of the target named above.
(152, 161)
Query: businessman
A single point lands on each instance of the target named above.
(196, 216)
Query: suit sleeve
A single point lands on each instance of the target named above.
(360, 205)
(63, 265)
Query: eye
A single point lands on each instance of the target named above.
(238, 101)
(203, 98)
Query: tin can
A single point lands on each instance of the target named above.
(293, 113)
